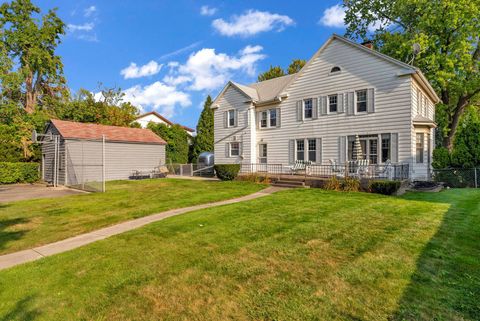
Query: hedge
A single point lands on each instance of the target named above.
(11, 173)
(227, 172)
(384, 187)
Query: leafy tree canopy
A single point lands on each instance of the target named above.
(277, 71)
(177, 142)
(31, 40)
(448, 34)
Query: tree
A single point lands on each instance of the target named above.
(277, 71)
(204, 140)
(466, 152)
(177, 142)
(32, 43)
(295, 66)
(273, 72)
(448, 34)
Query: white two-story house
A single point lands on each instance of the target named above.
(346, 89)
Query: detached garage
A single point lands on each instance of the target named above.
(84, 155)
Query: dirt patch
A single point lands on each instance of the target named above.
(18, 192)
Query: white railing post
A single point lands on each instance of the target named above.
(103, 163)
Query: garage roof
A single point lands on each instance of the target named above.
(75, 130)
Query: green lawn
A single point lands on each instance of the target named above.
(26, 224)
(295, 255)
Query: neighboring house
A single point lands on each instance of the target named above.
(73, 152)
(345, 89)
(156, 118)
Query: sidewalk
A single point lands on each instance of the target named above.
(36, 253)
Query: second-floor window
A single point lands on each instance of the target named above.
(273, 117)
(231, 118)
(361, 100)
(264, 119)
(332, 103)
(308, 108)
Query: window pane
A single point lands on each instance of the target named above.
(300, 149)
(234, 149)
(273, 117)
(361, 100)
(373, 151)
(231, 117)
(312, 150)
(419, 145)
(263, 119)
(385, 147)
(308, 106)
(332, 103)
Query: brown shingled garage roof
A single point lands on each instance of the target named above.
(75, 130)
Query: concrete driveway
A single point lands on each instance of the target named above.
(17, 192)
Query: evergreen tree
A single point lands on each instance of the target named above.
(203, 142)
(177, 142)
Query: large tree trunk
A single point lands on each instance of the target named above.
(30, 95)
(460, 108)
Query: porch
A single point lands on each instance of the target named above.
(306, 170)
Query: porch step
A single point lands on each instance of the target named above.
(290, 184)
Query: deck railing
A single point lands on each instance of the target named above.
(350, 169)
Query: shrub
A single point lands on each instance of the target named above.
(384, 187)
(227, 172)
(11, 173)
(350, 184)
(441, 158)
(333, 184)
(255, 178)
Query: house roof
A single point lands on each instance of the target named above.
(165, 120)
(87, 131)
(272, 89)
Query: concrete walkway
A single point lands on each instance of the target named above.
(39, 252)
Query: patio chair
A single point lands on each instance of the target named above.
(386, 171)
(299, 165)
(336, 170)
(362, 167)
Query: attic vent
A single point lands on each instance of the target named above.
(335, 69)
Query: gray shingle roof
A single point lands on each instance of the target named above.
(269, 89)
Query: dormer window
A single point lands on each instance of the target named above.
(335, 69)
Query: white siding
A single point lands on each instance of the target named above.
(121, 159)
(359, 71)
(233, 99)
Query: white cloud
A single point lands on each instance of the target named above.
(207, 70)
(159, 96)
(134, 71)
(207, 11)
(89, 11)
(333, 17)
(251, 23)
(89, 26)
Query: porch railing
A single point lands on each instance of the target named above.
(351, 169)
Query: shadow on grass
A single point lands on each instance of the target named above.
(446, 283)
(22, 311)
(8, 236)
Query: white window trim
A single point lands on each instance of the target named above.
(355, 107)
(230, 149)
(234, 116)
(330, 73)
(306, 149)
(328, 104)
(268, 119)
(259, 156)
(303, 109)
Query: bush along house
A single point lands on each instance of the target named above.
(348, 106)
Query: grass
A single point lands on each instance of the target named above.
(294, 255)
(26, 224)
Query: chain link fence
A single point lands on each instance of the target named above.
(458, 177)
(85, 165)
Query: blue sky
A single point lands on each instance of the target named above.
(168, 55)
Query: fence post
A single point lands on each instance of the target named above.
(103, 163)
(191, 169)
(181, 170)
(476, 184)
